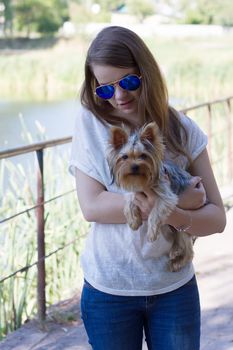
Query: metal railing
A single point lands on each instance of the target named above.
(228, 111)
(40, 204)
(39, 207)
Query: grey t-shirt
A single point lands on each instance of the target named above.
(115, 259)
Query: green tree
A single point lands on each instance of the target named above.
(43, 16)
(211, 12)
(8, 17)
(140, 9)
(202, 11)
(109, 5)
(224, 15)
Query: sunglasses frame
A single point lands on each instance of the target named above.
(112, 83)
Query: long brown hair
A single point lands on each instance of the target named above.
(120, 47)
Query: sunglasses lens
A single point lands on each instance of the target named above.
(106, 92)
(130, 83)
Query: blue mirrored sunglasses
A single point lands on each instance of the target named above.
(130, 83)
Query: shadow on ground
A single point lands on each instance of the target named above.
(217, 329)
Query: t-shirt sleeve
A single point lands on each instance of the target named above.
(197, 139)
(83, 147)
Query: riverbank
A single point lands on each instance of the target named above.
(52, 69)
(41, 69)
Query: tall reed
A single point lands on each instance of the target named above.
(64, 223)
(219, 128)
(196, 69)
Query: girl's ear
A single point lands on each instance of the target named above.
(118, 137)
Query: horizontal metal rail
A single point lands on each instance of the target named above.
(205, 104)
(35, 207)
(34, 147)
(25, 268)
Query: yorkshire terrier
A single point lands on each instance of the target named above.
(137, 163)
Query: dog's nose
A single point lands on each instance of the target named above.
(135, 168)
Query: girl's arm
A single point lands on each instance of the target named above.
(210, 218)
(97, 204)
(191, 213)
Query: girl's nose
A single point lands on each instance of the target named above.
(119, 92)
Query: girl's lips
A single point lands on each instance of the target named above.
(125, 103)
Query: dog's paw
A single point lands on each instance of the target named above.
(175, 253)
(152, 236)
(178, 260)
(174, 266)
(153, 233)
(133, 216)
(135, 223)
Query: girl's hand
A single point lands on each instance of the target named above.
(194, 197)
(145, 201)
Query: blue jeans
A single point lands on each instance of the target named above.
(170, 321)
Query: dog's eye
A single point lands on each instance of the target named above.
(125, 156)
(143, 156)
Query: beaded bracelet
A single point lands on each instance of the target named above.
(185, 228)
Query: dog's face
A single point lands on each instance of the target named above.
(135, 159)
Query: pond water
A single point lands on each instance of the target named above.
(42, 120)
(23, 123)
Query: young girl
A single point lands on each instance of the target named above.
(128, 289)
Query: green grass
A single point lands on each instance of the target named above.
(196, 70)
(64, 223)
(49, 74)
(219, 139)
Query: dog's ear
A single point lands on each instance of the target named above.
(150, 132)
(118, 137)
